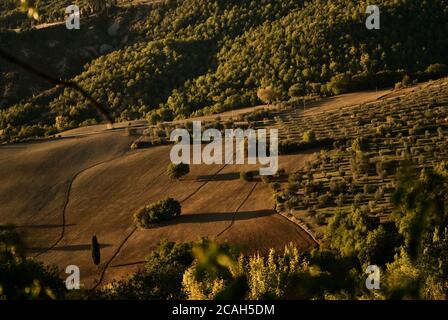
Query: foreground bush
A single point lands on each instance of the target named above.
(162, 210)
(22, 278)
(161, 277)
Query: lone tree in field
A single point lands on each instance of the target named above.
(162, 210)
(96, 255)
(177, 171)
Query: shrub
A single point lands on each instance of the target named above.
(295, 178)
(296, 90)
(324, 200)
(369, 189)
(340, 83)
(177, 171)
(358, 199)
(407, 81)
(268, 94)
(437, 70)
(337, 186)
(359, 144)
(140, 144)
(381, 130)
(275, 186)
(162, 210)
(340, 200)
(281, 171)
(320, 219)
(309, 136)
(161, 278)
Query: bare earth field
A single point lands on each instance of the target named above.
(60, 192)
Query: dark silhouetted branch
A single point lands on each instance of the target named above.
(58, 82)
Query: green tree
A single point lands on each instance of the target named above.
(420, 200)
(161, 278)
(159, 211)
(437, 70)
(296, 90)
(309, 136)
(347, 232)
(177, 171)
(215, 273)
(268, 94)
(95, 248)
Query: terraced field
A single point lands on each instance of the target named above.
(364, 146)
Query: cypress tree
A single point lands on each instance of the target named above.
(96, 255)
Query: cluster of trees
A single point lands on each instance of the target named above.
(194, 56)
(161, 210)
(161, 277)
(134, 80)
(322, 48)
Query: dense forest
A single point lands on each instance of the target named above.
(297, 48)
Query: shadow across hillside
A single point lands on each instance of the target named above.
(220, 177)
(216, 217)
(44, 226)
(75, 247)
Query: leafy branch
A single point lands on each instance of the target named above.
(58, 82)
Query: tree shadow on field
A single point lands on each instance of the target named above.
(220, 177)
(44, 226)
(73, 247)
(217, 217)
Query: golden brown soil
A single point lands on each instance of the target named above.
(60, 192)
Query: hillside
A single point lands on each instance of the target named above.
(362, 119)
(321, 48)
(101, 183)
(90, 182)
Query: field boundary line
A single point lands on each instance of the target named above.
(67, 201)
(301, 226)
(236, 211)
(106, 266)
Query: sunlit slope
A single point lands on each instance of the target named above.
(92, 185)
(61, 192)
(36, 177)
